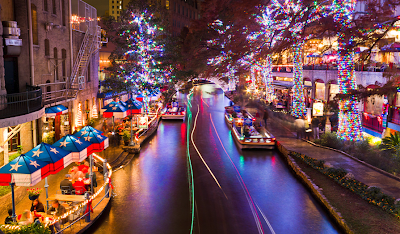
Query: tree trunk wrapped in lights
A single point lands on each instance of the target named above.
(299, 107)
(267, 75)
(349, 117)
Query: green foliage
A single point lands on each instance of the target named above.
(4, 190)
(49, 138)
(371, 194)
(392, 144)
(330, 140)
(126, 135)
(13, 156)
(29, 229)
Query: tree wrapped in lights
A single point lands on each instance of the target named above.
(299, 107)
(79, 120)
(267, 78)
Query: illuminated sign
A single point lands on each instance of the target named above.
(318, 109)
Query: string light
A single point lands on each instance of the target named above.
(299, 107)
(79, 121)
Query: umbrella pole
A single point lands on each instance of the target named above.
(46, 187)
(91, 173)
(132, 143)
(14, 217)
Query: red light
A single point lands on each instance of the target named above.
(254, 119)
(273, 139)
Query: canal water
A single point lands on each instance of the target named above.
(234, 191)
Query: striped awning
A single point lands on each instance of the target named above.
(55, 110)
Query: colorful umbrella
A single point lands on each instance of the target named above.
(99, 142)
(55, 110)
(393, 47)
(24, 171)
(116, 110)
(140, 98)
(86, 130)
(79, 149)
(133, 106)
(57, 158)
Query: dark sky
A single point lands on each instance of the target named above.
(100, 5)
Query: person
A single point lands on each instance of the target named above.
(78, 175)
(58, 210)
(84, 167)
(307, 129)
(9, 219)
(299, 124)
(67, 182)
(26, 218)
(315, 127)
(79, 187)
(246, 131)
(37, 206)
(87, 176)
(265, 118)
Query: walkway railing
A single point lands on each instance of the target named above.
(17, 104)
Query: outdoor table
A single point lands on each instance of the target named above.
(62, 197)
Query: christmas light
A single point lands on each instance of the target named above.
(94, 111)
(78, 120)
(298, 105)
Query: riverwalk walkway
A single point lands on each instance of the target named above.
(366, 174)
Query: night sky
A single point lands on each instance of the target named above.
(100, 5)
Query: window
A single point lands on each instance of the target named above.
(45, 5)
(54, 7)
(46, 47)
(89, 72)
(112, 7)
(34, 25)
(55, 64)
(113, 2)
(63, 10)
(117, 12)
(167, 4)
(63, 63)
(113, 12)
(48, 88)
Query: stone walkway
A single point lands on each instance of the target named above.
(363, 173)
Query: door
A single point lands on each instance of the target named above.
(11, 75)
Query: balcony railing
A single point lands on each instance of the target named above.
(368, 68)
(372, 122)
(17, 104)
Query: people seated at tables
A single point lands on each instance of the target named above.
(26, 218)
(37, 206)
(79, 187)
(84, 167)
(78, 175)
(66, 183)
(87, 176)
(58, 210)
(9, 219)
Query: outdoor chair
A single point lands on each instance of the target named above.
(66, 190)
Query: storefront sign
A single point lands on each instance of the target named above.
(248, 121)
(236, 108)
(318, 109)
(143, 122)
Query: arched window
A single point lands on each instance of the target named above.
(63, 63)
(54, 7)
(46, 47)
(34, 25)
(55, 64)
(45, 5)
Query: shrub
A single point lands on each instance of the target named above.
(4, 190)
(330, 140)
(392, 144)
(29, 229)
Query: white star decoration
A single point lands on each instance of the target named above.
(84, 132)
(64, 143)
(78, 141)
(37, 153)
(114, 108)
(15, 167)
(58, 108)
(100, 137)
(54, 150)
(88, 138)
(34, 163)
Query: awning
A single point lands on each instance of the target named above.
(56, 110)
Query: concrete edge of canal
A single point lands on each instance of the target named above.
(314, 189)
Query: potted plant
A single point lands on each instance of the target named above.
(126, 136)
(34, 193)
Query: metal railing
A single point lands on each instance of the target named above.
(17, 104)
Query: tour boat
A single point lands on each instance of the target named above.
(174, 111)
(237, 121)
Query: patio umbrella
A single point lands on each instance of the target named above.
(393, 47)
(86, 130)
(55, 110)
(314, 55)
(133, 106)
(79, 149)
(24, 171)
(140, 98)
(115, 110)
(57, 158)
(99, 142)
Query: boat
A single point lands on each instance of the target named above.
(238, 120)
(174, 111)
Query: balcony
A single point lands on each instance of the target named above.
(372, 122)
(22, 107)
